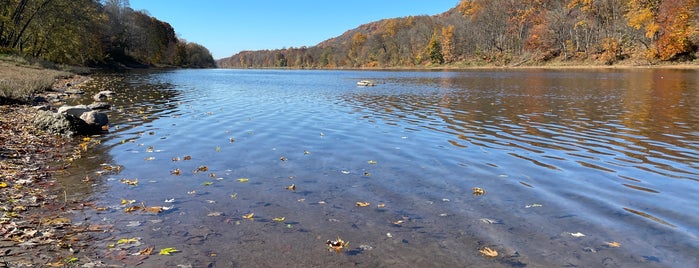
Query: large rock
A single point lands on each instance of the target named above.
(82, 119)
(95, 118)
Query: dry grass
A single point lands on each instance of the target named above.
(19, 82)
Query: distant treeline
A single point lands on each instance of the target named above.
(506, 32)
(91, 32)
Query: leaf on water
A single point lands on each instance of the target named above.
(202, 168)
(132, 209)
(306, 152)
(578, 234)
(488, 252)
(489, 221)
(279, 219)
(177, 172)
(337, 245)
(218, 149)
(249, 216)
(398, 222)
(613, 244)
(207, 183)
(127, 240)
(243, 179)
(381, 205)
(175, 159)
(291, 187)
(146, 251)
(156, 209)
(54, 221)
(192, 192)
(133, 182)
(127, 202)
(187, 158)
(477, 191)
(231, 140)
(168, 251)
(283, 158)
(149, 158)
(372, 162)
(234, 196)
(214, 214)
(362, 204)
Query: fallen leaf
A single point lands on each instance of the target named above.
(3, 184)
(168, 251)
(578, 234)
(146, 251)
(214, 214)
(177, 172)
(337, 245)
(133, 182)
(381, 205)
(291, 187)
(187, 158)
(488, 252)
(243, 179)
(156, 209)
(202, 168)
(192, 192)
(362, 204)
(398, 222)
(249, 216)
(282, 158)
(613, 244)
(218, 149)
(279, 219)
(126, 202)
(477, 191)
(149, 158)
(372, 162)
(207, 183)
(234, 196)
(127, 241)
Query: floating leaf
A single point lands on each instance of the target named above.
(187, 158)
(381, 205)
(362, 204)
(578, 234)
(3, 184)
(249, 216)
(71, 260)
(177, 172)
(149, 158)
(156, 209)
(477, 191)
(306, 152)
(243, 179)
(192, 192)
(175, 159)
(234, 196)
(214, 214)
(207, 183)
(202, 168)
(126, 202)
(279, 219)
(133, 182)
(283, 158)
(398, 222)
(218, 149)
(613, 244)
(146, 251)
(132, 209)
(372, 162)
(488, 252)
(291, 187)
(127, 241)
(337, 245)
(168, 251)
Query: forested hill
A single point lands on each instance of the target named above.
(504, 32)
(94, 33)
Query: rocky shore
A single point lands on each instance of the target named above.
(35, 217)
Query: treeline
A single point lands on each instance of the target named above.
(505, 32)
(91, 32)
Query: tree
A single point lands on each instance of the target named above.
(434, 50)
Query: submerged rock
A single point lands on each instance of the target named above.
(99, 106)
(103, 95)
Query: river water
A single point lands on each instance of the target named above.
(584, 168)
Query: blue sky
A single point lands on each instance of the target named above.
(227, 27)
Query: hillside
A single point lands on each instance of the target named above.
(505, 33)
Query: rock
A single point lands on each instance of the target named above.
(76, 110)
(99, 106)
(42, 107)
(74, 91)
(95, 119)
(103, 95)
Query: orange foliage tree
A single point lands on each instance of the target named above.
(667, 24)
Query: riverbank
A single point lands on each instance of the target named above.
(35, 222)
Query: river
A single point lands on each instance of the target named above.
(584, 168)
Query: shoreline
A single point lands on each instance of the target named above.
(35, 222)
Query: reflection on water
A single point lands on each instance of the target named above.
(611, 154)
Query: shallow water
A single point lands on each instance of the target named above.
(609, 154)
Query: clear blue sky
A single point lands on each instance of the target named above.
(227, 27)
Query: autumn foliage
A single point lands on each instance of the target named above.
(505, 32)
